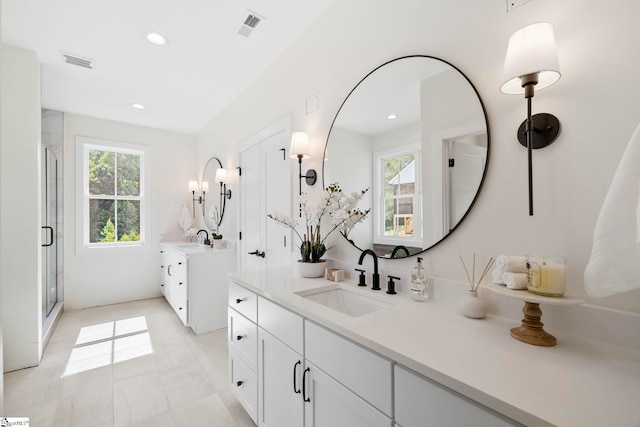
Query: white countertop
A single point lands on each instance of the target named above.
(576, 383)
(194, 248)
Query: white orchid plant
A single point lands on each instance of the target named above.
(339, 210)
(214, 216)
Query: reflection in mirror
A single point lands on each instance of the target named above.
(414, 130)
(214, 205)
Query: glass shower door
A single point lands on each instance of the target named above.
(49, 239)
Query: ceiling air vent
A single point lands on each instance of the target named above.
(250, 22)
(77, 60)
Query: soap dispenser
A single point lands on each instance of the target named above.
(419, 282)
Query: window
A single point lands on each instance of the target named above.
(112, 185)
(397, 172)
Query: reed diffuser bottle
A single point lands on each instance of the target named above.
(471, 305)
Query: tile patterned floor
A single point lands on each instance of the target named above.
(131, 364)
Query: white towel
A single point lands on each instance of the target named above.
(508, 264)
(614, 265)
(511, 263)
(515, 280)
(184, 220)
(497, 276)
(638, 216)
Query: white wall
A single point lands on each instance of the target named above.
(1, 181)
(20, 240)
(596, 100)
(113, 277)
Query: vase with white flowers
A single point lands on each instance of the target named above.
(339, 212)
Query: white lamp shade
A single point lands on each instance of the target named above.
(221, 175)
(193, 186)
(300, 145)
(531, 49)
(205, 186)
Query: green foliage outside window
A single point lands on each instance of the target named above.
(114, 197)
(393, 166)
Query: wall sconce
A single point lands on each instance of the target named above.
(301, 149)
(193, 187)
(532, 61)
(221, 177)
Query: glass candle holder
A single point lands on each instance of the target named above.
(546, 275)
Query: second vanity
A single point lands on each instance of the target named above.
(301, 356)
(193, 280)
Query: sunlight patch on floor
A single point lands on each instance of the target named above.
(107, 343)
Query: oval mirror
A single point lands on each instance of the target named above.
(214, 204)
(414, 130)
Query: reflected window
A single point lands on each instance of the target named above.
(398, 171)
(399, 195)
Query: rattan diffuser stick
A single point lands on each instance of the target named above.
(472, 282)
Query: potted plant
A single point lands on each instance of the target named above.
(339, 212)
(214, 216)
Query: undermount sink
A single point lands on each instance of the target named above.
(345, 300)
(189, 245)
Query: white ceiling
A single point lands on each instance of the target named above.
(183, 84)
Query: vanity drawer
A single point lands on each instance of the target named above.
(244, 301)
(281, 323)
(360, 370)
(418, 399)
(244, 384)
(243, 337)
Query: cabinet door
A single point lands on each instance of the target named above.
(279, 383)
(330, 404)
(163, 272)
(244, 384)
(180, 300)
(176, 286)
(365, 373)
(421, 402)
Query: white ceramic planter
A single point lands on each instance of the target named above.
(312, 269)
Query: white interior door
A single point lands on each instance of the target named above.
(250, 218)
(265, 187)
(277, 198)
(463, 179)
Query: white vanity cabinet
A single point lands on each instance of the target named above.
(243, 347)
(418, 399)
(193, 281)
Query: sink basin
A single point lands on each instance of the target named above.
(189, 245)
(345, 300)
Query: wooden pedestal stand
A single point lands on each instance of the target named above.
(531, 331)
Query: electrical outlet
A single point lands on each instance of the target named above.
(512, 4)
(313, 103)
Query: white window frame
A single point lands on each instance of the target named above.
(378, 194)
(83, 146)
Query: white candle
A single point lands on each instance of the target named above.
(547, 276)
(552, 279)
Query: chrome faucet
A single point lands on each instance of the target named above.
(375, 275)
(206, 239)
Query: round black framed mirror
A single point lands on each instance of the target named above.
(415, 131)
(214, 204)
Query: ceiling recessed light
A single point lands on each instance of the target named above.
(137, 106)
(392, 116)
(156, 38)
